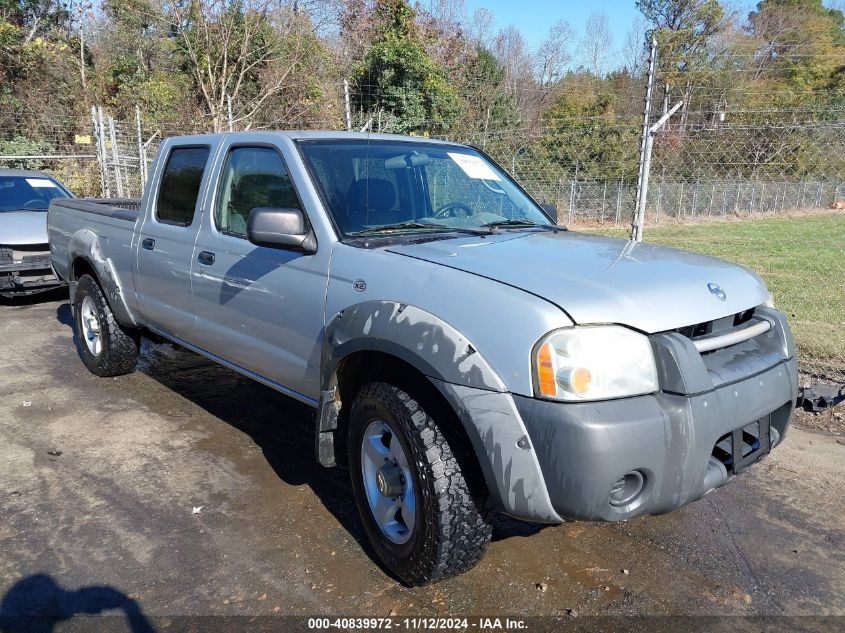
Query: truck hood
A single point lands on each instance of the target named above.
(18, 228)
(603, 280)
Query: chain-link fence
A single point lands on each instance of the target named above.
(721, 171)
(780, 170)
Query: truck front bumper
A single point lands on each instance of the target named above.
(716, 414)
(673, 448)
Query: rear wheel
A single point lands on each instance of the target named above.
(425, 513)
(105, 346)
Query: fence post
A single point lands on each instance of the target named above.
(712, 196)
(347, 105)
(100, 158)
(681, 201)
(619, 200)
(229, 112)
(142, 163)
(695, 198)
(659, 196)
(559, 200)
(102, 128)
(645, 151)
(603, 198)
(116, 158)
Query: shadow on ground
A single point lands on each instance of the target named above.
(56, 294)
(281, 427)
(37, 604)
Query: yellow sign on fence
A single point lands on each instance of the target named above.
(82, 139)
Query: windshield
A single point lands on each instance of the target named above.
(29, 192)
(422, 187)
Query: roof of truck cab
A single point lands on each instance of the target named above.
(24, 172)
(319, 135)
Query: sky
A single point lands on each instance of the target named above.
(534, 17)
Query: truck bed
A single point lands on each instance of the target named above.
(100, 229)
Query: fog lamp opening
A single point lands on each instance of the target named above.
(627, 488)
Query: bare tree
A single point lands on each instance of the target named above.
(510, 49)
(481, 26)
(553, 55)
(246, 50)
(596, 50)
(634, 50)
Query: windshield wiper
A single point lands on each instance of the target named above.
(413, 224)
(520, 223)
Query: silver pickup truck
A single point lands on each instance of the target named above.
(465, 355)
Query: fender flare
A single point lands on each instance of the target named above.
(419, 338)
(85, 245)
(471, 387)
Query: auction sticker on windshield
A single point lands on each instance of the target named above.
(40, 182)
(473, 166)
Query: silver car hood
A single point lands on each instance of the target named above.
(23, 227)
(603, 280)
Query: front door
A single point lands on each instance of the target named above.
(257, 307)
(166, 244)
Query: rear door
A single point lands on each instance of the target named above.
(166, 241)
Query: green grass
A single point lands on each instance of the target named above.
(802, 259)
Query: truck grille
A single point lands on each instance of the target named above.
(719, 326)
(730, 330)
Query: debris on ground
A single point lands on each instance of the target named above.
(541, 586)
(626, 571)
(827, 420)
(27, 403)
(54, 453)
(197, 509)
(819, 396)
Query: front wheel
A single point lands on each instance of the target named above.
(426, 516)
(105, 346)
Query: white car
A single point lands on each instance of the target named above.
(24, 251)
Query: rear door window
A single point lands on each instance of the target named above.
(180, 185)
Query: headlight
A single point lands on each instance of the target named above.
(593, 363)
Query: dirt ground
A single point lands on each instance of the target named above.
(194, 491)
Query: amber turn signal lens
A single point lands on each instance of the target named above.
(546, 370)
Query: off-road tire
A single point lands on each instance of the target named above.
(453, 514)
(120, 345)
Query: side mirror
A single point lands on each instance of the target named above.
(279, 228)
(550, 209)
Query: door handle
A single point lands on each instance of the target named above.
(205, 257)
(148, 243)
